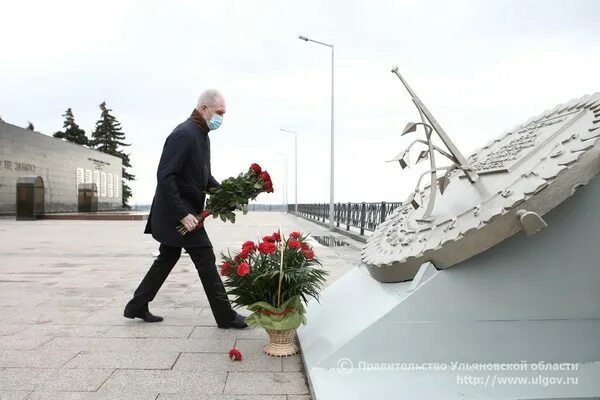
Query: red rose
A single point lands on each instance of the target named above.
(225, 268)
(296, 235)
(265, 176)
(308, 254)
(270, 239)
(269, 187)
(267, 248)
(276, 236)
(256, 168)
(235, 355)
(294, 244)
(305, 246)
(243, 269)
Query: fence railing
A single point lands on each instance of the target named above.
(362, 216)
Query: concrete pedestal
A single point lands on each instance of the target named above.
(460, 333)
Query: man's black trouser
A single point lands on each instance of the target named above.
(204, 260)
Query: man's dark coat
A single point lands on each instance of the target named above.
(183, 177)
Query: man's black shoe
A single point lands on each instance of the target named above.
(146, 315)
(238, 322)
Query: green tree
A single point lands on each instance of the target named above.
(72, 132)
(108, 138)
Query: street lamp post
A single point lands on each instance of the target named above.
(295, 169)
(284, 197)
(331, 172)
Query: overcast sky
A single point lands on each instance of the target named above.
(480, 66)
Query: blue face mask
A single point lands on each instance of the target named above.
(215, 122)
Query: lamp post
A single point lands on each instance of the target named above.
(284, 157)
(295, 169)
(331, 173)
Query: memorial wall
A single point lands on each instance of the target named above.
(62, 166)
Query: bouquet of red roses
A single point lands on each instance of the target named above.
(234, 194)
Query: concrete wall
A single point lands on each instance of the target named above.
(62, 165)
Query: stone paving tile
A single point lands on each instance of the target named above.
(22, 342)
(141, 345)
(298, 397)
(149, 331)
(266, 383)
(221, 362)
(53, 287)
(66, 330)
(146, 360)
(207, 332)
(13, 395)
(293, 363)
(220, 397)
(35, 358)
(251, 345)
(90, 396)
(82, 380)
(204, 382)
(11, 329)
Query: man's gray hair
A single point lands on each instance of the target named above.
(208, 97)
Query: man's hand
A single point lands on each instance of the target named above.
(190, 222)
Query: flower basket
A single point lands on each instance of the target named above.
(274, 280)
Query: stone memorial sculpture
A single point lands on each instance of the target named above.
(502, 188)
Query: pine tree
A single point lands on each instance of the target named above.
(108, 138)
(72, 132)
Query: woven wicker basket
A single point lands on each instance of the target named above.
(281, 343)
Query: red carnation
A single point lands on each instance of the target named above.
(308, 254)
(225, 268)
(235, 355)
(305, 246)
(276, 236)
(243, 269)
(237, 259)
(250, 245)
(270, 239)
(245, 252)
(294, 244)
(256, 168)
(296, 235)
(267, 248)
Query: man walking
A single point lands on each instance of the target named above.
(183, 177)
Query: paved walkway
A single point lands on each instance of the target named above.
(63, 285)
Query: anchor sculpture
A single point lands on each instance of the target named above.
(430, 125)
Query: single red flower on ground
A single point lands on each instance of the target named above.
(296, 235)
(235, 355)
(267, 247)
(243, 269)
(294, 244)
(256, 168)
(276, 236)
(308, 254)
(225, 268)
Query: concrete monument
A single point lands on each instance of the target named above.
(485, 283)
